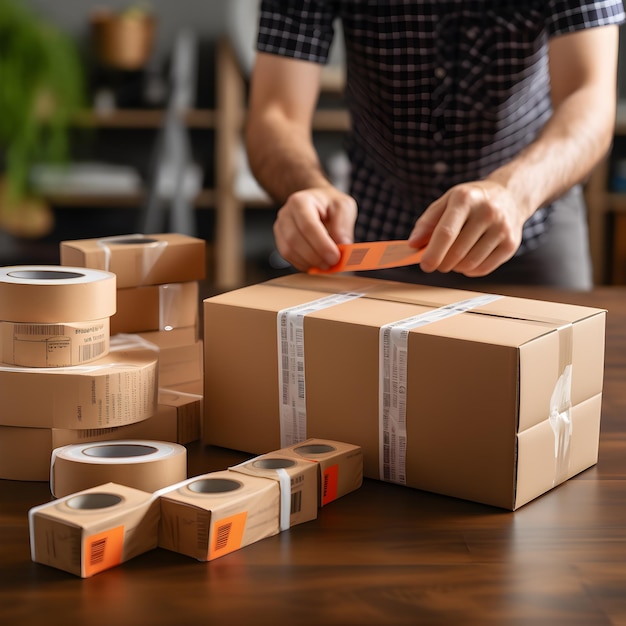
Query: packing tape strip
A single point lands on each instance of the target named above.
(372, 255)
(143, 464)
(393, 383)
(54, 345)
(46, 294)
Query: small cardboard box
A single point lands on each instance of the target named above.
(156, 308)
(140, 259)
(210, 515)
(491, 399)
(93, 530)
(340, 466)
(298, 480)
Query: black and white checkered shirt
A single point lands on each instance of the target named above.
(440, 91)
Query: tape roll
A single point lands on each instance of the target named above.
(48, 294)
(117, 389)
(54, 345)
(143, 464)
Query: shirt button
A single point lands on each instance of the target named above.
(440, 72)
(440, 167)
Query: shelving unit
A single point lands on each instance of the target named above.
(225, 123)
(607, 217)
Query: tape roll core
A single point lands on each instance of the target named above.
(214, 485)
(273, 464)
(44, 275)
(91, 501)
(119, 451)
(315, 448)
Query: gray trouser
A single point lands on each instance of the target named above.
(560, 260)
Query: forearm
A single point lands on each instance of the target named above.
(282, 156)
(572, 143)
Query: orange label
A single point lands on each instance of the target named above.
(329, 484)
(227, 535)
(103, 550)
(372, 255)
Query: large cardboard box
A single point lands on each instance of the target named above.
(490, 399)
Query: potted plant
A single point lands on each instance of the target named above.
(41, 91)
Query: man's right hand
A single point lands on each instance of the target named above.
(311, 223)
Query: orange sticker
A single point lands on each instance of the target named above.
(103, 550)
(227, 535)
(329, 484)
(373, 255)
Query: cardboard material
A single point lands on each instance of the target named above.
(94, 530)
(156, 307)
(477, 381)
(298, 481)
(188, 408)
(340, 466)
(118, 389)
(140, 259)
(140, 463)
(214, 514)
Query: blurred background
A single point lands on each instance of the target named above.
(124, 117)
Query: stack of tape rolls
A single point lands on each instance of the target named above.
(54, 316)
(141, 464)
(60, 368)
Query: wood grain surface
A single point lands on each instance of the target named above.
(381, 555)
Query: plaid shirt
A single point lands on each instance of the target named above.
(440, 91)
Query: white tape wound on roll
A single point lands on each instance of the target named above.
(291, 375)
(285, 498)
(393, 383)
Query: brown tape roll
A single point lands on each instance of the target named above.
(46, 294)
(54, 345)
(143, 464)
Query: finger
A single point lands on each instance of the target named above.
(426, 223)
(492, 261)
(453, 218)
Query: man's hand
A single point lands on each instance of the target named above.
(310, 225)
(472, 229)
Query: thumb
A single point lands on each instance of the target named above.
(341, 219)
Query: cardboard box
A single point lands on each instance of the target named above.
(188, 408)
(140, 259)
(208, 516)
(94, 530)
(481, 383)
(156, 307)
(340, 466)
(298, 481)
(117, 389)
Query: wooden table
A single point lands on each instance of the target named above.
(381, 555)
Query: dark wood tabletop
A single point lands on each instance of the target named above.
(384, 554)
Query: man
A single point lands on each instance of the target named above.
(474, 123)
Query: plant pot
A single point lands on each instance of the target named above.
(123, 41)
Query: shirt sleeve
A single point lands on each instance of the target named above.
(301, 30)
(568, 16)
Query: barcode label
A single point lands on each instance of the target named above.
(356, 256)
(222, 534)
(91, 351)
(40, 329)
(97, 551)
(296, 502)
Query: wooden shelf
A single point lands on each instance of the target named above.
(143, 118)
(205, 200)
